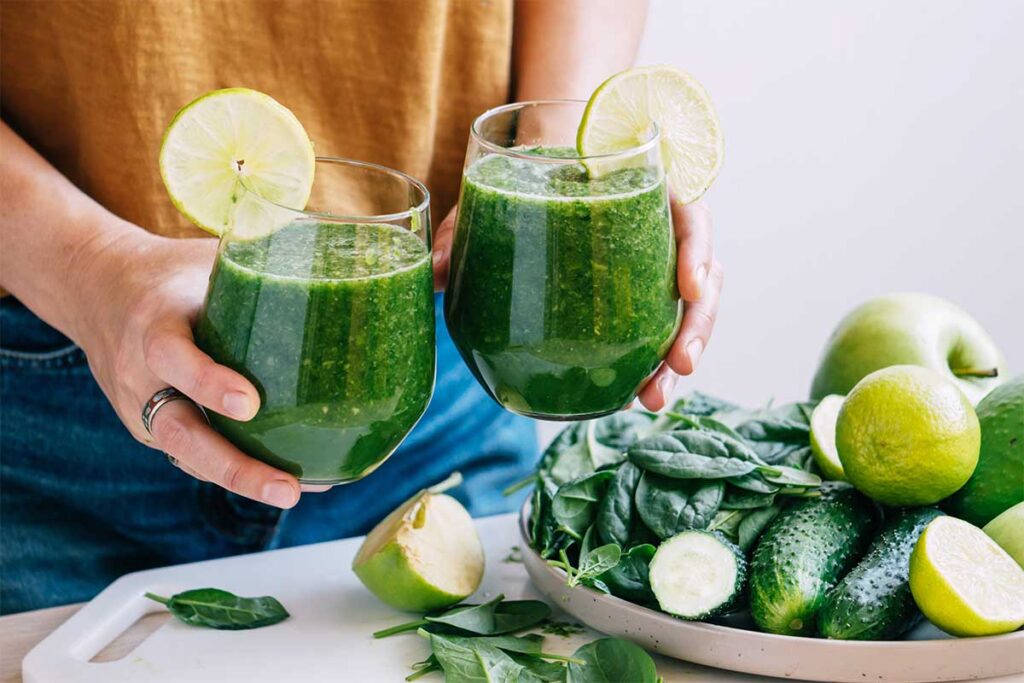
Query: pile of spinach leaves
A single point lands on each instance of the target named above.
(608, 491)
(470, 643)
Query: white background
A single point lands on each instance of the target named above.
(871, 147)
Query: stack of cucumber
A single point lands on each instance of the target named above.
(710, 509)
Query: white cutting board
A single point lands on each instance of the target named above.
(326, 639)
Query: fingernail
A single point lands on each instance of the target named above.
(693, 350)
(700, 276)
(279, 494)
(438, 257)
(237, 405)
(667, 383)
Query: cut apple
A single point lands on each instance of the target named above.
(423, 556)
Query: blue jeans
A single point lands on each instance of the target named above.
(81, 502)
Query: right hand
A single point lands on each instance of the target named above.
(137, 297)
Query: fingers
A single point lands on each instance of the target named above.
(692, 224)
(181, 431)
(443, 249)
(658, 389)
(173, 356)
(698, 323)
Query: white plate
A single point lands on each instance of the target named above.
(929, 655)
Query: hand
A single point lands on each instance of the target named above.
(700, 284)
(138, 297)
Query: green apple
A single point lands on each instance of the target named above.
(909, 329)
(423, 556)
(1008, 531)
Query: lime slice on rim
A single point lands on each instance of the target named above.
(823, 437)
(228, 139)
(619, 116)
(964, 582)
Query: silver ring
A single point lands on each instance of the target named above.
(158, 401)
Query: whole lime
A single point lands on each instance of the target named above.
(907, 436)
(998, 482)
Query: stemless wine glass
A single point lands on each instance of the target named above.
(562, 292)
(329, 312)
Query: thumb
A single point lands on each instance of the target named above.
(443, 248)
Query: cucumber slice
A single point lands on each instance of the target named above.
(696, 575)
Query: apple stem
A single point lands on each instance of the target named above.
(975, 372)
(453, 480)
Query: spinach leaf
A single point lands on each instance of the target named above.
(495, 617)
(588, 540)
(566, 438)
(697, 403)
(551, 538)
(572, 463)
(421, 669)
(790, 476)
(575, 504)
(612, 660)
(668, 506)
(616, 433)
(753, 524)
(727, 522)
(594, 563)
(742, 499)
(801, 458)
(775, 438)
(220, 609)
(629, 578)
(466, 660)
(536, 670)
(689, 455)
(754, 481)
(616, 514)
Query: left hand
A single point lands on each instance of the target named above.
(700, 284)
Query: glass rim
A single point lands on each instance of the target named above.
(422, 207)
(474, 131)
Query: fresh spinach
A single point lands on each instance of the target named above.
(616, 513)
(465, 660)
(698, 403)
(688, 455)
(754, 481)
(742, 499)
(629, 578)
(668, 506)
(790, 476)
(612, 660)
(594, 563)
(610, 436)
(215, 608)
(492, 618)
(575, 503)
(753, 524)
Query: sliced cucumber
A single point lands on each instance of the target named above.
(696, 575)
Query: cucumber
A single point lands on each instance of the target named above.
(697, 574)
(802, 554)
(873, 601)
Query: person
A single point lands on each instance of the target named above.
(105, 278)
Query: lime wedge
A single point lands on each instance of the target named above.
(823, 437)
(230, 138)
(964, 582)
(622, 109)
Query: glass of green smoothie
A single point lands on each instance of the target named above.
(329, 312)
(562, 293)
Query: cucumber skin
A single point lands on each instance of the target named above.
(873, 601)
(802, 554)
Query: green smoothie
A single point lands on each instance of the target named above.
(562, 296)
(334, 324)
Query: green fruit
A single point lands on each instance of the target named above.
(1008, 531)
(964, 582)
(823, 437)
(425, 555)
(998, 481)
(909, 329)
(803, 554)
(907, 436)
(873, 601)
